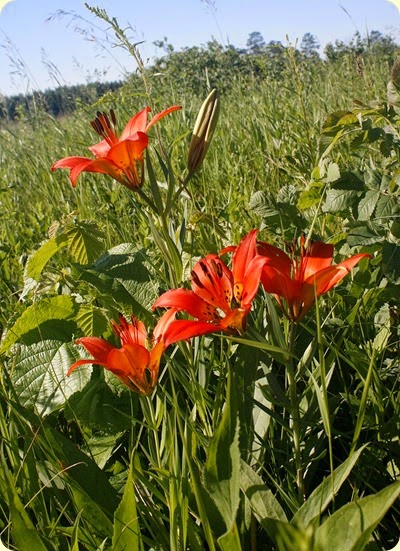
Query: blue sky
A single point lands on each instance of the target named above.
(52, 49)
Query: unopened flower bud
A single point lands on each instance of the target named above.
(203, 131)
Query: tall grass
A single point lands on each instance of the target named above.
(248, 442)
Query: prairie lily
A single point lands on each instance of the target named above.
(135, 365)
(299, 280)
(220, 297)
(121, 158)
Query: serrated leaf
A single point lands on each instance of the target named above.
(38, 259)
(333, 173)
(362, 236)
(338, 200)
(309, 198)
(49, 318)
(352, 525)
(386, 207)
(91, 320)
(367, 204)
(40, 377)
(122, 275)
(126, 536)
(85, 241)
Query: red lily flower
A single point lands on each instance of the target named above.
(220, 297)
(135, 365)
(121, 158)
(300, 280)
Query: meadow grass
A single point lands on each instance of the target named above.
(278, 438)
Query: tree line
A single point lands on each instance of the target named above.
(190, 67)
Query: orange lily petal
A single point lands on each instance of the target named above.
(100, 149)
(213, 282)
(327, 278)
(163, 325)
(137, 123)
(252, 279)
(318, 257)
(244, 253)
(278, 258)
(188, 301)
(128, 151)
(180, 330)
(161, 115)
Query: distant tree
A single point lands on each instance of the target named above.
(255, 43)
(375, 43)
(309, 46)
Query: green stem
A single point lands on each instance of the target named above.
(295, 414)
(363, 403)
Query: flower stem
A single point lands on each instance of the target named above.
(295, 414)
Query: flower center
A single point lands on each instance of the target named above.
(105, 127)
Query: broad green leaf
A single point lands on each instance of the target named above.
(386, 207)
(363, 235)
(309, 198)
(49, 318)
(222, 469)
(338, 200)
(333, 173)
(121, 274)
(320, 498)
(230, 541)
(40, 374)
(262, 501)
(85, 241)
(38, 259)
(91, 320)
(350, 528)
(98, 406)
(367, 204)
(126, 536)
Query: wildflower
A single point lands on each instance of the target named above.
(299, 280)
(134, 364)
(220, 297)
(121, 158)
(203, 131)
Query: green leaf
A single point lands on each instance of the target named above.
(91, 320)
(222, 469)
(326, 491)
(367, 204)
(262, 501)
(362, 236)
(40, 375)
(338, 200)
(350, 528)
(126, 536)
(121, 275)
(85, 241)
(46, 319)
(25, 535)
(309, 198)
(38, 259)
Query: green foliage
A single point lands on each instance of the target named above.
(284, 437)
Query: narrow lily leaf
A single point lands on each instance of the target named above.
(222, 468)
(325, 492)
(126, 535)
(48, 318)
(25, 535)
(262, 501)
(351, 526)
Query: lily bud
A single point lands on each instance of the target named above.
(203, 131)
